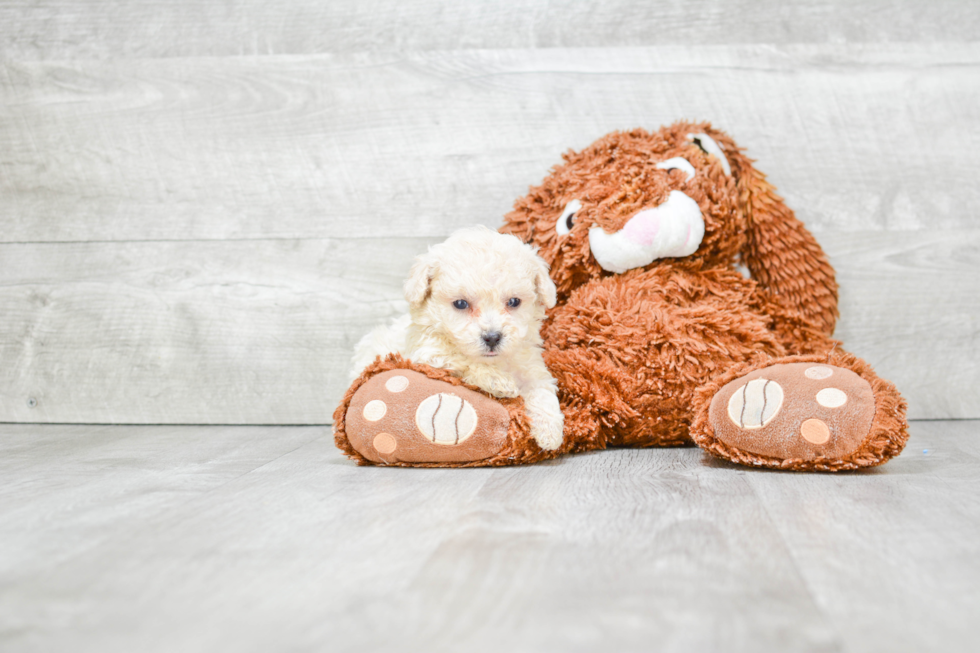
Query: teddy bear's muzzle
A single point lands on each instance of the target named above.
(675, 228)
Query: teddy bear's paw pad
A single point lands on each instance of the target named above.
(402, 416)
(795, 411)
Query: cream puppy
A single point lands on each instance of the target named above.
(476, 303)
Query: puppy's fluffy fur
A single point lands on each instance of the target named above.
(476, 303)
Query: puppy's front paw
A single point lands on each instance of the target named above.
(504, 388)
(548, 434)
(497, 384)
(547, 420)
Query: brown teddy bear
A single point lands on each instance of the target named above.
(692, 307)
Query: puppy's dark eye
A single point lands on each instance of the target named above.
(514, 302)
(461, 304)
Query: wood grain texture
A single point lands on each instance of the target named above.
(261, 332)
(260, 538)
(107, 29)
(201, 332)
(855, 538)
(421, 143)
(910, 306)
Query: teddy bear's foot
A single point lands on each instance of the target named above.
(399, 413)
(402, 416)
(810, 415)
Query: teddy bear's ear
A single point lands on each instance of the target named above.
(780, 253)
(418, 286)
(517, 224)
(520, 221)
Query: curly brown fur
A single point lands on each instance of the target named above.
(616, 176)
(781, 253)
(631, 350)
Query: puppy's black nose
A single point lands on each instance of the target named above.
(491, 339)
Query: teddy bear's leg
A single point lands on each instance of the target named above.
(628, 360)
(609, 403)
(593, 393)
(820, 413)
(399, 413)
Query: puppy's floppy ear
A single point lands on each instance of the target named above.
(544, 287)
(418, 286)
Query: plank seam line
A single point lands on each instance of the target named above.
(832, 624)
(830, 233)
(188, 424)
(328, 424)
(222, 240)
(268, 462)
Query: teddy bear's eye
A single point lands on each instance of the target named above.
(708, 145)
(678, 163)
(567, 218)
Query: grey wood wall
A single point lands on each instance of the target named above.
(204, 204)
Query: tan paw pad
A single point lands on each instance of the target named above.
(446, 419)
(815, 431)
(397, 383)
(831, 398)
(375, 410)
(818, 372)
(403, 416)
(385, 443)
(754, 404)
(818, 411)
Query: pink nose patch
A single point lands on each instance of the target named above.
(642, 228)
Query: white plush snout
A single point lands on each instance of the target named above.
(675, 228)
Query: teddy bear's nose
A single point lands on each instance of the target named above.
(643, 227)
(675, 228)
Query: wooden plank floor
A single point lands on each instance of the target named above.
(182, 538)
